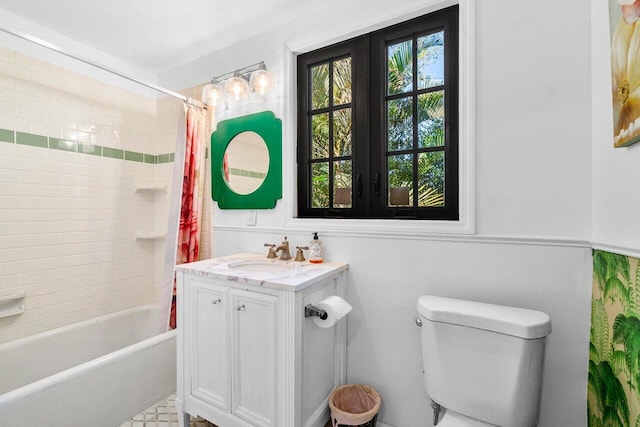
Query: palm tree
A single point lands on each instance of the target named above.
(430, 186)
(400, 67)
(340, 129)
(430, 108)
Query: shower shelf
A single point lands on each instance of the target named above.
(11, 304)
(151, 188)
(147, 187)
(149, 235)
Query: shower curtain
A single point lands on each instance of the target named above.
(188, 239)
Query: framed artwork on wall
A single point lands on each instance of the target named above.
(625, 70)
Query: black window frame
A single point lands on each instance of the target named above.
(369, 127)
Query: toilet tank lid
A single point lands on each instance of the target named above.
(519, 322)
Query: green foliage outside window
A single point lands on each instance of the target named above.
(430, 120)
(400, 136)
(321, 129)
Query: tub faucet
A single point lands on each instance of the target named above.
(284, 248)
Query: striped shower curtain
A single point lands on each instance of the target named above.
(188, 245)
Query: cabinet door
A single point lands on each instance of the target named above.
(253, 351)
(207, 346)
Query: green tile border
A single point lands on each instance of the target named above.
(114, 153)
(7, 135)
(24, 138)
(64, 145)
(247, 173)
(164, 158)
(32, 140)
(91, 149)
(133, 156)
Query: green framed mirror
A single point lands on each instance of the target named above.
(246, 162)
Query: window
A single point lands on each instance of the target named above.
(378, 124)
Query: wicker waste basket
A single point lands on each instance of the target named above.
(354, 405)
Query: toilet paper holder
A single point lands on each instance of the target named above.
(311, 310)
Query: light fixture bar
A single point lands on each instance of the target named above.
(243, 72)
(238, 84)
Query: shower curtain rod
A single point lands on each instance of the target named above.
(50, 46)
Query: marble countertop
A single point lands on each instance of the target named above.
(299, 276)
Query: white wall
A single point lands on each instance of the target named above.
(532, 190)
(616, 176)
(533, 156)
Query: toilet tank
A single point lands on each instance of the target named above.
(484, 361)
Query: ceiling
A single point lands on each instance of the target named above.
(156, 35)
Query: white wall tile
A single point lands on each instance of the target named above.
(28, 62)
(7, 55)
(31, 113)
(7, 82)
(10, 69)
(12, 123)
(29, 93)
(67, 219)
(7, 109)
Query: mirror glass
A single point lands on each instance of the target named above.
(246, 162)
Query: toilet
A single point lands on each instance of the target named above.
(482, 362)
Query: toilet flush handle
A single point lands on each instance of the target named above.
(436, 412)
(418, 321)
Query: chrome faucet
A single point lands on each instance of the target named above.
(284, 248)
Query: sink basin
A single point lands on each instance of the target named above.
(258, 266)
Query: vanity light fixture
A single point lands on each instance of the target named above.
(211, 93)
(236, 87)
(237, 84)
(261, 80)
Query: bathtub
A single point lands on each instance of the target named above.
(99, 372)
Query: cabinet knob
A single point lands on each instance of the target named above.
(240, 307)
(216, 301)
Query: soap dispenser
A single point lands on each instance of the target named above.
(315, 250)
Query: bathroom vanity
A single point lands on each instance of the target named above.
(247, 355)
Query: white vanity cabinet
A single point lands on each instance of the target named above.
(233, 351)
(247, 356)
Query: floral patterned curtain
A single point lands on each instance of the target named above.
(188, 249)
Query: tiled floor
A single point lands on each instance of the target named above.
(162, 414)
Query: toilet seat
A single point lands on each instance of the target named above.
(453, 419)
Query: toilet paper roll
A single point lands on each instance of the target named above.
(336, 309)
